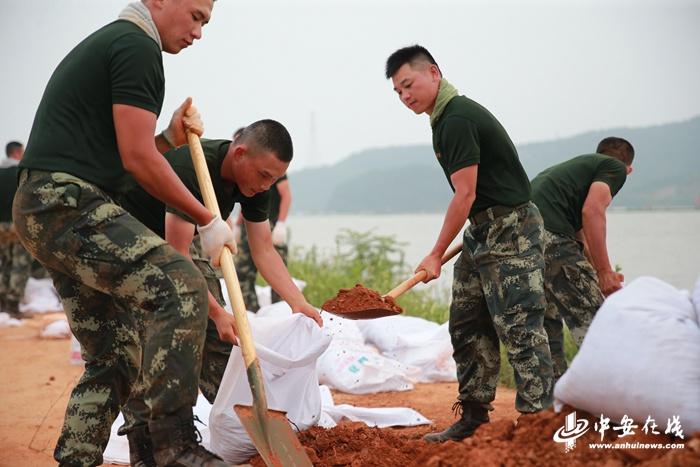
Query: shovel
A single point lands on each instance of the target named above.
(408, 284)
(269, 429)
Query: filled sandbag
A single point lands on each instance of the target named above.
(640, 358)
(287, 349)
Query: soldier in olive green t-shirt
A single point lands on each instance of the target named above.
(137, 306)
(498, 291)
(572, 197)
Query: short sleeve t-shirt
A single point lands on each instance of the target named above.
(8, 187)
(560, 191)
(467, 134)
(151, 211)
(73, 130)
(275, 200)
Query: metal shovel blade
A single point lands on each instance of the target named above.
(274, 439)
(365, 314)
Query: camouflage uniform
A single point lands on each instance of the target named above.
(248, 272)
(133, 302)
(572, 292)
(16, 267)
(498, 294)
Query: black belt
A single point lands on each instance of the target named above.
(493, 213)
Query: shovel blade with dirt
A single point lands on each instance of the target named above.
(269, 430)
(363, 303)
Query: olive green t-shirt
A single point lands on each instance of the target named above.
(467, 134)
(8, 187)
(275, 200)
(151, 211)
(73, 129)
(560, 191)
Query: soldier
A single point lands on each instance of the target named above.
(242, 171)
(498, 290)
(573, 197)
(280, 202)
(14, 260)
(92, 137)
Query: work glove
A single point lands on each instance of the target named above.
(185, 118)
(237, 233)
(279, 234)
(213, 237)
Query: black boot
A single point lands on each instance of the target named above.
(176, 442)
(472, 415)
(140, 447)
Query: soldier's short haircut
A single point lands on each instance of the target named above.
(268, 135)
(237, 133)
(618, 148)
(11, 147)
(412, 55)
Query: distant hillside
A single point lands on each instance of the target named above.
(408, 179)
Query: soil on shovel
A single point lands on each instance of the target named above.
(358, 299)
(500, 443)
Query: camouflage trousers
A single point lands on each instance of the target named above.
(16, 267)
(572, 292)
(248, 272)
(498, 294)
(133, 302)
(215, 354)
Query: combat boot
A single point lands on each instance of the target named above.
(472, 415)
(140, 447)
(176, 442)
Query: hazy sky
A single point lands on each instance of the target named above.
(545, 69)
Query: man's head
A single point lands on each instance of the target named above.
(237, 133)
(416, 77)
(179, 22)
(14, 150)
(259, 156)
(619, 148)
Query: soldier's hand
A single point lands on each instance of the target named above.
(213, 237)
(610, 281)
(225, 325)
(308, 310)
(431, 264)
(186, 117)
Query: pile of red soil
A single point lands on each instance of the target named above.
(358, 299)
(501, 443)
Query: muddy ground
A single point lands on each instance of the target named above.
(36, 379)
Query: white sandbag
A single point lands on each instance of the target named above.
(696, 299)
(287, 349)
(58, 329)
(40, 296)
(640, 358)
(430, 352)
(385, 333)
(357, 368)
(415, 342)
(117, 450)
(6, 321)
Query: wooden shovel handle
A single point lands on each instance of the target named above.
(227, 267)
(421, 275)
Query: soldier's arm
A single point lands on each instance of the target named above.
(285, 199)
(464, 182)
(135, 128)
(179, 233)
(273, 269)
(594, 229)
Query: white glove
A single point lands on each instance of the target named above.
(214, 236)
(279, 234)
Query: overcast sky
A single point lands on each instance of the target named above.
(545, 69)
